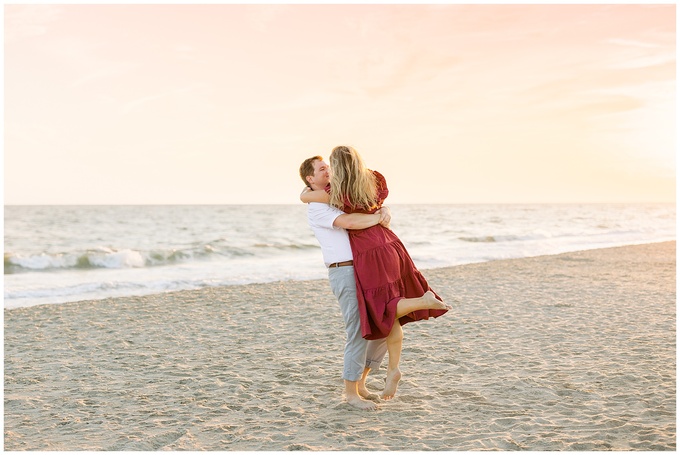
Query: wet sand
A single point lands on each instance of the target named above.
(567, 352)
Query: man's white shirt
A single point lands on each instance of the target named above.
(334, 240)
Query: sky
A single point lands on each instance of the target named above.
(453, 103)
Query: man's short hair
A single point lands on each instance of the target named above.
(307, 168)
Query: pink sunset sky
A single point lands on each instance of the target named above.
(219, 104)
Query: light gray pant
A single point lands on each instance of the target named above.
(359, 353)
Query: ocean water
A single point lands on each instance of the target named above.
(57, 254)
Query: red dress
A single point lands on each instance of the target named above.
(384, 273)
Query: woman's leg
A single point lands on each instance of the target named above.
(427, 302)
(396, 336)
(394, 341)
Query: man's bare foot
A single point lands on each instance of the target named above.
(364, 393)
(360, 403)
(391, 384)
(434, 304)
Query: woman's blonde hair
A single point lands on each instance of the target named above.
(350, 180)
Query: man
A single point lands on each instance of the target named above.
(329, 225)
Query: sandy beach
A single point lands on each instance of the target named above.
(569, 352)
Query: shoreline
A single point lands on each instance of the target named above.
(574, 351)
(425, 272)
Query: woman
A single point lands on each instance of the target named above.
(389, 286)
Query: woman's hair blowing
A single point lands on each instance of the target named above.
(350, 180)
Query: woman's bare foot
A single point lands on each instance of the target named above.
(364, 393)
(432, 303)
(391, 383)
(360, 403)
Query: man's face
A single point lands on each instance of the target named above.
(321, 177)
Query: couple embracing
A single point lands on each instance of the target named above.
(371, 274)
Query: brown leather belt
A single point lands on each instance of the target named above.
(341, 264)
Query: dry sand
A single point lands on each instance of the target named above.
(567, 352)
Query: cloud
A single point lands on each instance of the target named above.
(631, 43)
(185, 51)
(25, 21)
(26, 133)
(104, 70)
(309, 100)
(645, 61)
(133, 105)
(261, 16)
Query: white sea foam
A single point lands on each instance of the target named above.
(41, 261)
(117, 259)
(59, 254)
(104, 258)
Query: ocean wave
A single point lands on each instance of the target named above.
(52, 251)
(109, 258)
(541, 235)
(536, 235)
(286, 246)
(16, 263)
(65, 291)
(482, 239)
(106, 258)
(95, 291)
